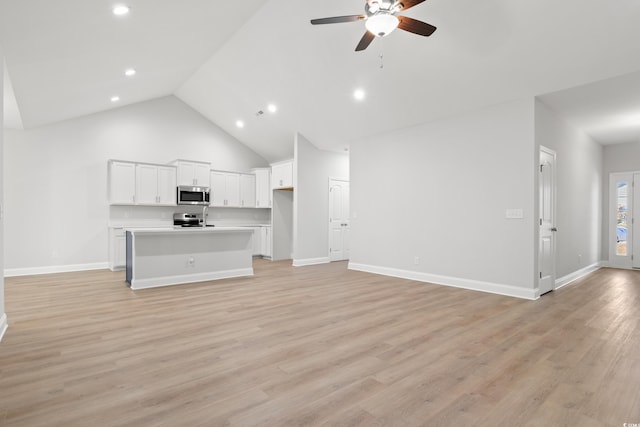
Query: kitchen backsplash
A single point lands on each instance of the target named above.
(155, 216)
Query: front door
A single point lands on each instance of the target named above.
(339, 225)
(622, 239)
(547, 246)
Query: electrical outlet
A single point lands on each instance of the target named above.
(416, 260)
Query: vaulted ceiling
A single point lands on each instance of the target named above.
(229, 60)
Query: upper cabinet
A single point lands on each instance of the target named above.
(122, 182)
(225, 189)
(282, 175)
(231, 189)
(193, 173)
(155, 185)
(141, 184)
(263, 187)
(247, 190)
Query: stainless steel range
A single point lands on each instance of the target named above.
(183, 219)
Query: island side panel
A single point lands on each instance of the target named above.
(171, 258)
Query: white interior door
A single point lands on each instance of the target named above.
(339, 225)
(547, 244)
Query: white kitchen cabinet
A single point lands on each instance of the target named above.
(117, 249)
(263, 187)
(122, 182)
(247, 190)
(282, 175)
(257, 241)
(193, 173)
(155, 185)
(265, 241)
(225, 189)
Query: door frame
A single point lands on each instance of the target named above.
(554, 192)
(329, 219)
(618, 261)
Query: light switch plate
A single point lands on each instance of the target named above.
(514, 214)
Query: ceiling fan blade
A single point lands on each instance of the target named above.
(365, 41)
(407, 4)
(337, 19)
(415, 26)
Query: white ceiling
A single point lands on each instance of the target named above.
(228, 60)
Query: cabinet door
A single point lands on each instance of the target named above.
(257, 240)
(263, 188)
(186, 173)
(218, 190)
(282, 175)
(201, 175)
(167, 185)
(122, 183)
(247, 191)
(117, 249)
(233, 189)
(146, 185)
(266, 241)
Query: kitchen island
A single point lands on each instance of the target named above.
(171, 256)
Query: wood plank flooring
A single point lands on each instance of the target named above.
(317, 346)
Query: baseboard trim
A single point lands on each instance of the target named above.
(456, 282)
(310, 261)
(4, 325)
(571, 277)
(13, 272)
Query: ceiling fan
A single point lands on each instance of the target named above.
(381, 18)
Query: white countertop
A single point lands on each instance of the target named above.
(186, 230)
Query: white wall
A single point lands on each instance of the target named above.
(57, 175)
(617, 158)
(439, 192)
(579, 191)
(3, 316)
(314, 167)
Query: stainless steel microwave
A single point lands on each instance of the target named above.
(188, 195)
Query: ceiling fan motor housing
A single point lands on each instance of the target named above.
(373, 7)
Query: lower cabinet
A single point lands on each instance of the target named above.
(117, 249)
(257, 241)
(262, 241)
(266, 241)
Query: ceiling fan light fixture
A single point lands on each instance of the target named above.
(382, 24)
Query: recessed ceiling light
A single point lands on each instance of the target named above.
(240, 124)
(121, 10)
(272, 108)
(115, 98)
(130, 72)
(359, 94)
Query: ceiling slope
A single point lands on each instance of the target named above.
(482, 53)
(66, 58)
(229, 60)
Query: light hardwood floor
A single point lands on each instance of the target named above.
(317, 346)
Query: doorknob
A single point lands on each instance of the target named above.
(554, 229)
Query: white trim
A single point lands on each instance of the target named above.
(565, 280)
(456, 282)
(310, 261)
(12, 272)
(155, 282)
(4, 325)
(554, 215)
